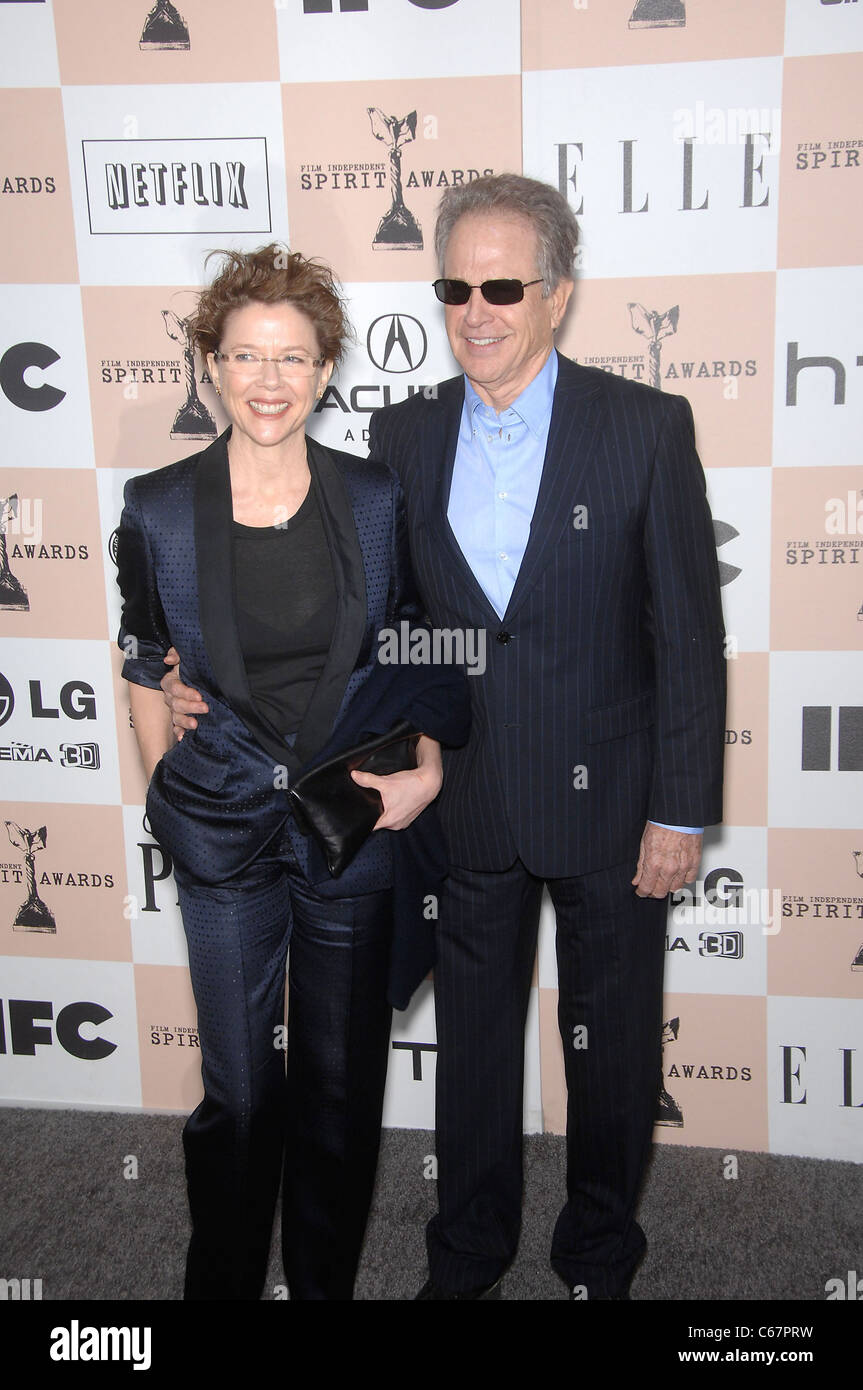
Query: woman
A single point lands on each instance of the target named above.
(272, 564)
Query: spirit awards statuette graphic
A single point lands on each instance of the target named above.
(398, 229)
(164, 28)
(654, 327)
(857, 962)
(658, 14)
(13, 595)
(32, 915)
(668, 1112)
(193, 420)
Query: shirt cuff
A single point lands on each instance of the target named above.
(685, 829)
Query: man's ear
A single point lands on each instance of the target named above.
(558, 300)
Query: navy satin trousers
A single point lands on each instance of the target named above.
(310, 1119)
(610, 962)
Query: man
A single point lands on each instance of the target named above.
(562, 510)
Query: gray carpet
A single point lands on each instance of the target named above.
(780, 1231)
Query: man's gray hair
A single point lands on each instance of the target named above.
(513, 195)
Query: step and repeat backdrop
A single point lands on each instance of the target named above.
(712, 150)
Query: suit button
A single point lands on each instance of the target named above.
(504, 637)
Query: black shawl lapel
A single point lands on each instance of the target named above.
(441, 446)
(351, 613)
(576, 418)
(214, 558)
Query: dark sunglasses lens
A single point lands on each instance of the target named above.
(503, 291)
(452, 291)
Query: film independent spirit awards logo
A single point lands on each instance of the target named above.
(398, 229)
(857, 962)
(33, 915)
(668, 1110)
(13, 595)
(164, 29)
(658, 14)
(192, 420)
(654, 326)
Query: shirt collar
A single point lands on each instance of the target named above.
(534, 404)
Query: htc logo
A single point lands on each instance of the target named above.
(795, 365)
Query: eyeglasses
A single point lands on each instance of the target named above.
(493, 291)
(292, 364)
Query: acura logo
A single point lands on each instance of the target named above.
(397, 343)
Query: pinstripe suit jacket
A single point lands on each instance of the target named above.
(602, 704)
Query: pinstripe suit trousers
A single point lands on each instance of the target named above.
(610, 952)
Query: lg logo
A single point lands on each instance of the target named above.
(15, 363)
(397, 343)
(77, 700)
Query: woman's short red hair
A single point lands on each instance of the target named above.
(272, 275)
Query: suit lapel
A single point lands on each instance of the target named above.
(576, 417)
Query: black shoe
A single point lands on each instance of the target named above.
(432, 1290)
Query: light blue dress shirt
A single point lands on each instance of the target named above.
(495, 483)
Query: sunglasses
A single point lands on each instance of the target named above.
(493, 291)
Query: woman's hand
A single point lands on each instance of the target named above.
(406, 794)
(183, 702)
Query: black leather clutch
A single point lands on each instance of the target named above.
(328, 804)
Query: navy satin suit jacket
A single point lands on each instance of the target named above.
(603, 700)
(219, 796)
